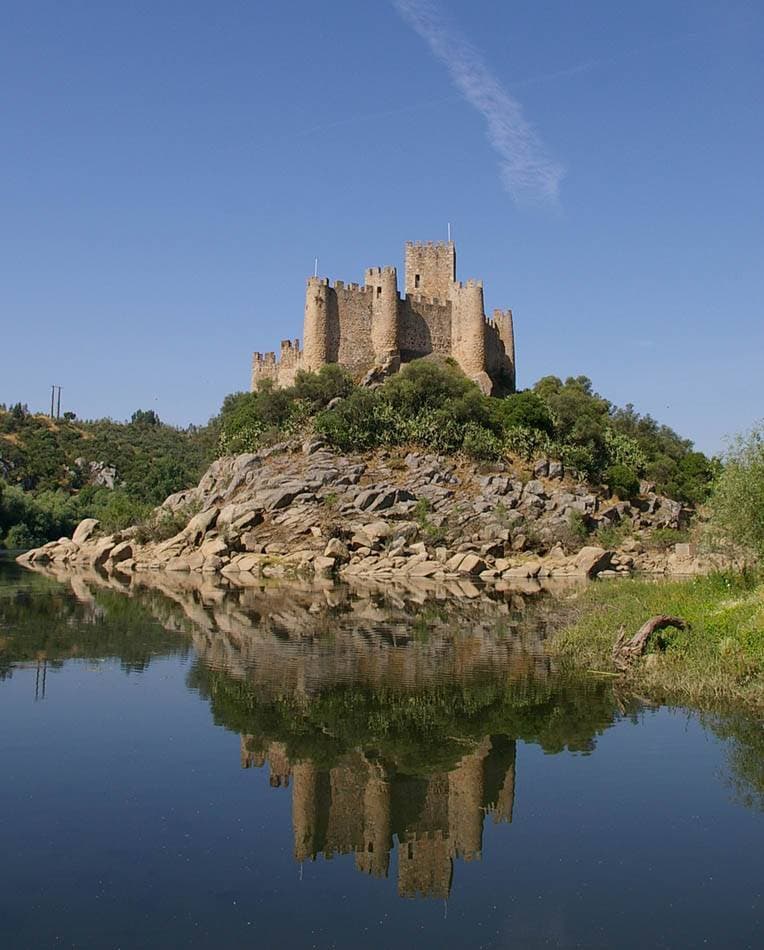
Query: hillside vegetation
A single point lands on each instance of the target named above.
(54, 473)
(435, 406)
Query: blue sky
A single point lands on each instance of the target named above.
(170, 169)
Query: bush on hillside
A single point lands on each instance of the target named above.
(433, 404)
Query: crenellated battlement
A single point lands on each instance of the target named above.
(263, 359)
(373, 323)
(428, 301)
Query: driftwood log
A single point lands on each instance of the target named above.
(626, 651)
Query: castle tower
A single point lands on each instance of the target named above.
(425, 866)
(316, 327)
(430, 268)
(374, 859)
(506, 327)
(305, 809)
(465, 803)
(468, 331)
(382, 283)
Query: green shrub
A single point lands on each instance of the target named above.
(622, 481)
(20, 538)
(480, 443)
(524, 410)
(611, 536)
(317, 390)
(577, 525)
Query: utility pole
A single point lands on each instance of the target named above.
(52, 397)
(58, 405)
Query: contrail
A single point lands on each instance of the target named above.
(526, 169)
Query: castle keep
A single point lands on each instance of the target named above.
(372, 325)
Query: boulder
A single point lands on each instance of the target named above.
(121, 552)
(590, 560)
(102, 551)
(324, 565)
(336, 549)
(534, 487)
(198, 526)
(366, 498)
(529, 569)
(248, 520)
(376, 530)
(84, 530)
(281, 497)
(215, 546)
(471, 564)
(212, 564)
(177, 564)
(425, 569)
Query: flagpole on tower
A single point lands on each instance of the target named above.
(449, 232)
(315, 268)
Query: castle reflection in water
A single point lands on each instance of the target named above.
(362, 807)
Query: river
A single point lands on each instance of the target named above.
(324, 766)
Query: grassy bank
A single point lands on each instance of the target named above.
(718, 660)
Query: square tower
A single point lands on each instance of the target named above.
(430, 268)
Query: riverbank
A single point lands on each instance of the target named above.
(717, 660)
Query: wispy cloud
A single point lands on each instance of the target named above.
(527, 171)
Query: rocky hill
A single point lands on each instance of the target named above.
(305, 508)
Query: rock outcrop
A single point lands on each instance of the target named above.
(307, 509)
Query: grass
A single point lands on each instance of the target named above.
(718, 661)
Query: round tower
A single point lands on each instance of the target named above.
(315, 329)
(382, 283)
(469, 328)
(304, 810)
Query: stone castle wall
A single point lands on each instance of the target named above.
(366, 325)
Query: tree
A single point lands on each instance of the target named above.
(145, 417)
(737, 502)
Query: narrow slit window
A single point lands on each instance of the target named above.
(379, 291)
(416, 280)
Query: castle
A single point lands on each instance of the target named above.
(363, 327)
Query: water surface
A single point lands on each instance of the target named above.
(185, 765)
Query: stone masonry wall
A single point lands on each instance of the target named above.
(350, 340)
(425, 327)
